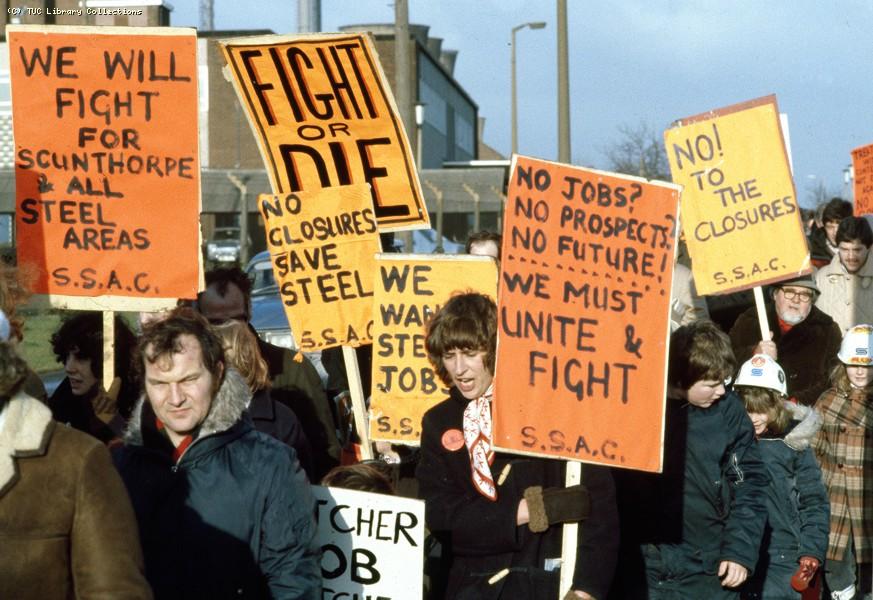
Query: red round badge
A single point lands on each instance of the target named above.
(453, 440)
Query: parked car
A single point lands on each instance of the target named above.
(224, 245)
(424, 242)
(260, 271)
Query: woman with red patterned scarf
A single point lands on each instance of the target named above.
(498, 515)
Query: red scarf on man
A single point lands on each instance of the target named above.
(179, 450)
(783, 326)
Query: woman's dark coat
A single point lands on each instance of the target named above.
(483, 536)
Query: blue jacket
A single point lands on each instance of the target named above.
(798, 508)
(482, 537)
(797, 502)
(232, 519)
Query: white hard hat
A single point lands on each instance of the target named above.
(762, 371)
(857, 346)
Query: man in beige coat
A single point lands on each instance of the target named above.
(846, 283)
(67, 529)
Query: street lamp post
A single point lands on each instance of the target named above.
(563, 86)
(533, 25)
(419, 124)
(848, 178)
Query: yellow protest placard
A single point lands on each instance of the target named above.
(324, 116)
(409, 290)
(740, 214)
(862, 164)
(323, 246)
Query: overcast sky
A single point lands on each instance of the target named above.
(634, 62)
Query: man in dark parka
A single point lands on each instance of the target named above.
(223, 510)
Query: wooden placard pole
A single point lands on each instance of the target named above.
(569, 542)
(359, 408)
(108, 348)
(762, 313)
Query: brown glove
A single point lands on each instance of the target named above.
(556, 505)
(104, 402)
(804, 574)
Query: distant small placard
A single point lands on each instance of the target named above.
(409, 290)
(324, 116)
(372, 545)
(862, 164)
(739, 208)
(323, 245)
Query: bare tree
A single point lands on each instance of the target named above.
(817, 192)
(639, 150)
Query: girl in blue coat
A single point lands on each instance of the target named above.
(796, 535)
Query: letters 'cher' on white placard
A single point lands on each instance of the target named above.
(372, 545)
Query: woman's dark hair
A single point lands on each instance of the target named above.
(82, 335)
(700, 351)
(855, 228)
(466, 322)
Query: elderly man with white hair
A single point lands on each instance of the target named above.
(802, 338)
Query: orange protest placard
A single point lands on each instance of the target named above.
(583, 316)
(409, 290)
(862, 164)
(739, 209)
(324, 116)
(323, 246)
(107, 172)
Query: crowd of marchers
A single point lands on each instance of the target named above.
(189, 476)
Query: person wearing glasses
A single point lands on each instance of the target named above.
(846, 283)
(803, 339)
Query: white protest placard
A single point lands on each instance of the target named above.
(372, 545)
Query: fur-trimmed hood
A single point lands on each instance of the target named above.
(810, 422)
(227, 408)
(26, 432)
